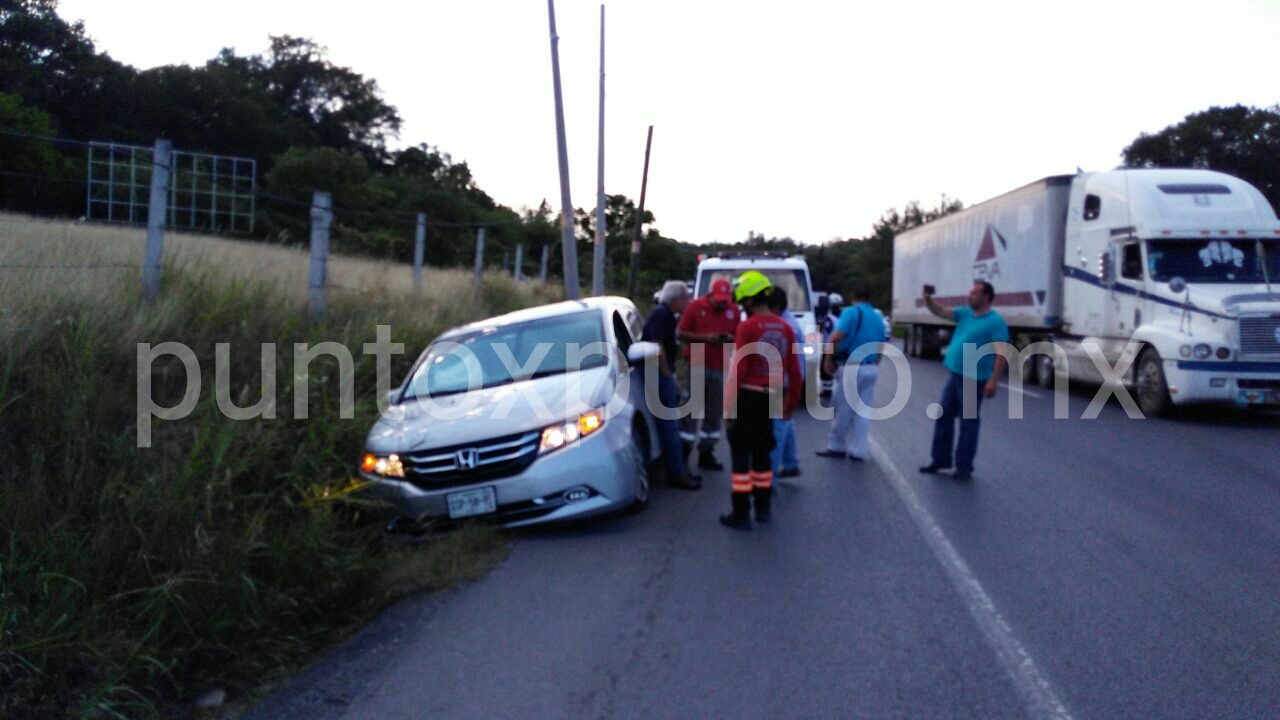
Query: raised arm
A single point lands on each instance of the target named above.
(943, 312)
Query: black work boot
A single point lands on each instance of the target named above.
(740, 518)
(764, 500)
(707, 460)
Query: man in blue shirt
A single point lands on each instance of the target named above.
(976, 326)
(660, 328)
(860, 326)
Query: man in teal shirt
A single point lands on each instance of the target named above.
(976, 325)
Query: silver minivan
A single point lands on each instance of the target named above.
(535, 416)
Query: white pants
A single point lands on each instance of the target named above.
(850, 429)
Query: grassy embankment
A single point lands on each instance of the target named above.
(134, 578)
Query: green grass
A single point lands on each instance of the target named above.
(132, 580)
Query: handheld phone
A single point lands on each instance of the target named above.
(929, 290)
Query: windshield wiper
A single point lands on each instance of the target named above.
(455, 391)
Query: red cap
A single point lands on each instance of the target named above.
(721, 291)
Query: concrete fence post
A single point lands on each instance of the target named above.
(479, 257)
(543, 274)
(321, 219)
(519, 274)
(419, 241)
(157, 211)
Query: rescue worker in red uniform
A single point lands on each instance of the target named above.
(764, 351)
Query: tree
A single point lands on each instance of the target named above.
(344, 109)
(1237, 140)
(32, 168)
(52, 65)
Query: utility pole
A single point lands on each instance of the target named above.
(597, 259)
(569, 245)
(635, 241)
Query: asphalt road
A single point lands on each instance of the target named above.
(1099, 568)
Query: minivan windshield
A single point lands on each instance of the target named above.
(475, 361)
(794, 282)
(1219, 260)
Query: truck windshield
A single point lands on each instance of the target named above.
(475, 361)
(1271, 251)
(794, 282)
(1221, 260)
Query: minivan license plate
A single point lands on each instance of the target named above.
(472, 502)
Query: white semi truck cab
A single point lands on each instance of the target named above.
(1181, 263)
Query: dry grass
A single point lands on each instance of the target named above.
(96, 261)
(130, 579)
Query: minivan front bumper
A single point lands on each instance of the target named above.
(595, 476)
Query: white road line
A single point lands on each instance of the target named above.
(1034, 688)
(1029, 393)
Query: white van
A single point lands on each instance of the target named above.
(789, 273)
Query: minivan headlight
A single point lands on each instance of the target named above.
(388, 466)
(566, 433)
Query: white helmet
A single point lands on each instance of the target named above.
(835, 299)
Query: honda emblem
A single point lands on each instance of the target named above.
(466, 459)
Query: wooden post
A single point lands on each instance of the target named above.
(635, 241)
(519, 273)
(153, 259)
(543, 274)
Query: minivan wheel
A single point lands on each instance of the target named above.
(640, 448)
(1153, 390)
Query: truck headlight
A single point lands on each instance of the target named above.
(1203, 351)
(389, 466)
(1185, 351)
(1224, 353)
(561, 434)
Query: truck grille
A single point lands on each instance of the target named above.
(1260, 335)
(452, 466)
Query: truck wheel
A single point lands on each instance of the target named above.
(1153, 391)
(1044, 371)
(1029, 367)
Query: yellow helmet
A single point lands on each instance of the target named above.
(750, 284)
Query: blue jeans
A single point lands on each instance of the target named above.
(669, 430)
(784, 455)
(944, 428)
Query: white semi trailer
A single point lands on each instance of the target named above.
(1178, 263)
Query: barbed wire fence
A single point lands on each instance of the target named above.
(202, 192)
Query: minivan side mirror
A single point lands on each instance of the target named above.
(639, 352)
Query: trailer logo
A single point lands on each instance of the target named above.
(986, 266)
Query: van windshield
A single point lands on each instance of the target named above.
(475, 361)
(794, 282)
(1221, 260)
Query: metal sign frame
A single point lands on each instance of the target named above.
(207, 192)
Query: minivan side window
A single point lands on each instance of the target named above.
(1092, 207)
(621, 331)
(1131, 262)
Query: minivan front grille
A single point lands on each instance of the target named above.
(1260, 335)
(472, 462)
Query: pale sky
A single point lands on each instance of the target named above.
(802, 119)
